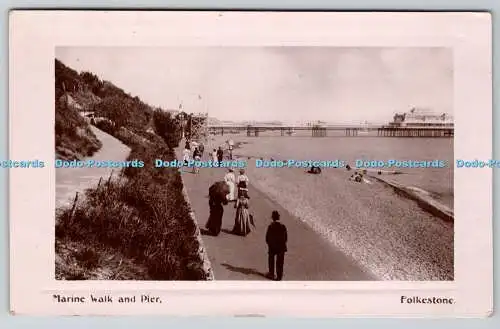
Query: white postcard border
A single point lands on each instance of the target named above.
(33, 38)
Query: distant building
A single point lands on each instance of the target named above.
(317, 123)
(418, 117)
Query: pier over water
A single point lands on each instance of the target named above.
(349, 131)
(417, 122)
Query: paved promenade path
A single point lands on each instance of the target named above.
(309, 257)
(72, 180)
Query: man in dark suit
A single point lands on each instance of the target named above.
(276, 239)
(220, 155)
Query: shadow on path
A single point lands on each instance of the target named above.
(244, 270)
(204, 231)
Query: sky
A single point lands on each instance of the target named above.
(288, 84)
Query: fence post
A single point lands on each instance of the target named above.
(73, 208)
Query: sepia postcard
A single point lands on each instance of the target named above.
(305, 164)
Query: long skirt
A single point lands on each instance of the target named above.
(232, 191)
(242, 221)
(214, 223)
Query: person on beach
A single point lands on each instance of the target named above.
(357, 177)
(242, 220)
(276, 239)
(315, 170)
(230, 180)
(220, 155)
(196, 157)
(217, 198)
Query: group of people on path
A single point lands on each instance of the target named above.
(243, 218)
(218, 155)
(234, 189)
(194, 150)
(222, 193)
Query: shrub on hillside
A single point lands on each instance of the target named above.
(66, 79)
(106, 126)
(94, 84)
(124, 112)
(145, 218)
(152, 137)
(167, 127)
(73, 137)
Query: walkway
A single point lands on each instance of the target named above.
(233, 257)
(72, 180)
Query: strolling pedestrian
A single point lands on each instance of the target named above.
(220, 155)
(242, 179)
(214, 156)
(186, 154)
(217, 200)
(276, 239)
(242, 219)
(197, 158)
(231, 182)
(201, 148)
(230, 145)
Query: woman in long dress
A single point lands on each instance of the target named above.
(214, 223)
(230, 180)
(214, 156)
(242, 180)
(186, 154)
(217, 194)
(242, 219)
(196, 157)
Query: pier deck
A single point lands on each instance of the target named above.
(351, 131)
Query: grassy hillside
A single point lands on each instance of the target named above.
(73, 137)
(139, 226)
(85, 91)
(143, 218)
